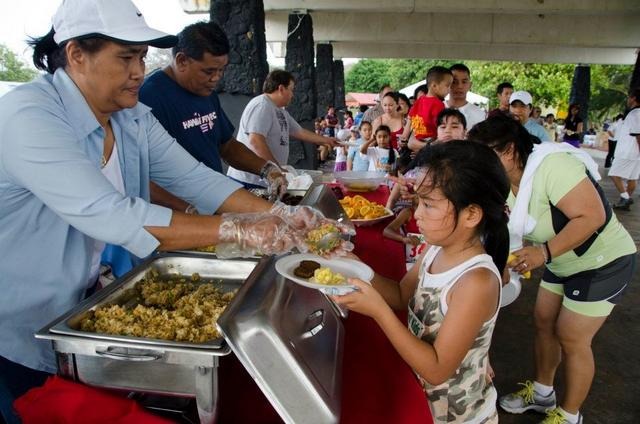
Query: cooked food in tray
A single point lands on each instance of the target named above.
(180, 309)
(208, 249)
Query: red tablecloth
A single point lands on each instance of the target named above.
(377, 385)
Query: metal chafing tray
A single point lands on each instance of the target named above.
(149, 365)
(288, 337)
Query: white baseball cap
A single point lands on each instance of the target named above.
(117, 20)
(523, 96)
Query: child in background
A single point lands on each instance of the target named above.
(423, 113)
(341, 152)
(381, 157)
(355, 160)
(453, 291)
(452, 125)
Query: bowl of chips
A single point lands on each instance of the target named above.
(360, 180)
(364, 212)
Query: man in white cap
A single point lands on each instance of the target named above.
(78, 153)
(520, 104)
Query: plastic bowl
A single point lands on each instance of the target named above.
(316, 175)
(360, 180)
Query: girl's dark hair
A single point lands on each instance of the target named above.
(469, 173)
(365, 123)
(498, 132)
(49, 56)
(392, 152)
(403, 162)
(450, 112)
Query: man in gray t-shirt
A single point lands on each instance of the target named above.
(265, 126)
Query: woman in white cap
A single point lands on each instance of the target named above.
(77, 153)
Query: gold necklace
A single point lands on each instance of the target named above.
(103, 162)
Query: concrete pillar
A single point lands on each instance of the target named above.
(299, 61)
(338, 84)
(581, 91)
(635, 76)
(324, 78)
(243, 22)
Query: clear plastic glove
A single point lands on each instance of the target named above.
(251, 234)
(276, 181)
(305, 219)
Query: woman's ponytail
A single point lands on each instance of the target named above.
(47, 55)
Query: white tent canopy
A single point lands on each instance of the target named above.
(6, 86)
(471, 97)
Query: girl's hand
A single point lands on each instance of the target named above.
(365, 300)
(526, 259)
(412, 240)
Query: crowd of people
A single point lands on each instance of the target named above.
(95, 156)
(559, 221)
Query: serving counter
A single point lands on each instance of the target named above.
(280, 370)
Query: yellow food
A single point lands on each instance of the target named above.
(357, 207)
(513, 257)
(314, 236)
(210, 249)
(325, 276)
(181, 310)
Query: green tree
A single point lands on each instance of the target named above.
(369, 75)
(12, 68)
(609, 89)
(549, 84)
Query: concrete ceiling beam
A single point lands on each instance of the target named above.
(615, 31)
(491, 52)
(565, 7)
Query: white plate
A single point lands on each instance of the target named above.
(350, 268)
(365, 222)
(511, 290)
(349, 144)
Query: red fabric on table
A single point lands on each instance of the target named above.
(63, 401)
(377, 385)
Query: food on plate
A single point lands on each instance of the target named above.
(357, 207)
(325, 275)
(511, 258)
(209, 249)
(306, 269)
(315, 239)
(182, 309)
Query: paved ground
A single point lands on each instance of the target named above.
(615, 394)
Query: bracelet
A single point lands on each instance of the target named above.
(544, 253)
(547, 257)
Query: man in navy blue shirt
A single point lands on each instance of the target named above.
(183, 99)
